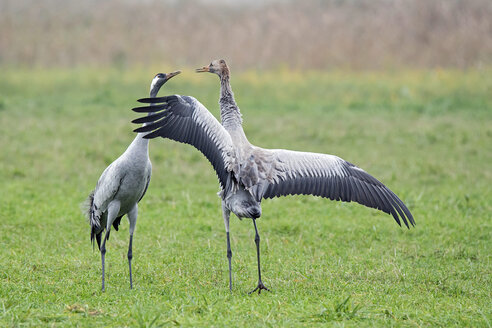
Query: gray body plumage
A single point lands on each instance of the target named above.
(121, 187)
(248, 173)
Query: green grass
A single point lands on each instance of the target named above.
(426, 134)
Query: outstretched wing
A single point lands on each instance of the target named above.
(185, 119)
(331, 177)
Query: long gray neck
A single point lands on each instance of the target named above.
(229, 112)
(154, 91)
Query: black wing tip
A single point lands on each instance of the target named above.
(145, 109)
(139, 120)
(397, 204)
(97, 237)
(408, 219)
(412, 221)
(153, 100)
(142, 129)
(137, 109)
(406, 215)
(149, 100)
(151, 135)
(151, 108)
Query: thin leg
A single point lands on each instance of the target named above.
(226, 213)
(130, 256)
(229, 257)
(113, 209)
(103, 254)
(132, 217)
(257, 242)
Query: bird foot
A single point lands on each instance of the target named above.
(259, 288)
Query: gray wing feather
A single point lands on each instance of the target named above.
(334, 178)
(186, 120)
(145, 189)
(107, 186)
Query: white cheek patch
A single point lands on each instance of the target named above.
(154, 81)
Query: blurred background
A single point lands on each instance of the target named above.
(313, 34)
(401, 88)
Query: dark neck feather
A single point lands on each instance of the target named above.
(229, 112)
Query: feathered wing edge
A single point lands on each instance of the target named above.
(334, 178)
(185, 119)
(92, 214)
(89, 209)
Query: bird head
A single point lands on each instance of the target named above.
(160, 79)
(217, 66)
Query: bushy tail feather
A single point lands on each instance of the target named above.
(87, 204)
(93, 216)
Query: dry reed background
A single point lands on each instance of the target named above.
(425, 132)
(365, 34)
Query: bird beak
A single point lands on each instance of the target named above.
(203, 69)
(170, 75)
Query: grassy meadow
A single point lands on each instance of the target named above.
(425, 134)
